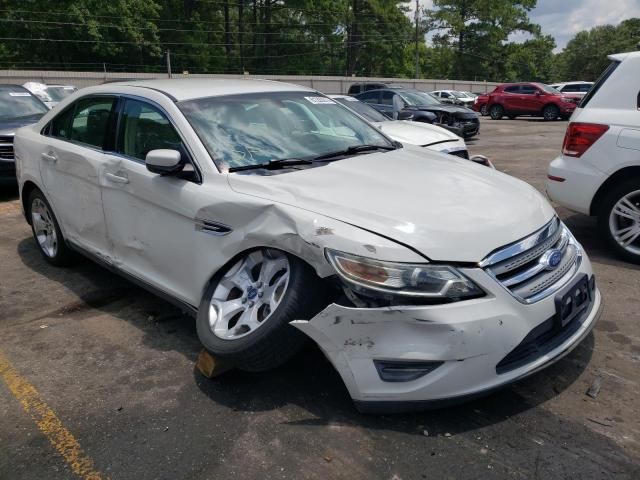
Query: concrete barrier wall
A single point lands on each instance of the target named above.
(329, 85)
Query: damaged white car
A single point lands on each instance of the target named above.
(276, 215)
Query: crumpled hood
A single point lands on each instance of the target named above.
(416, 133)
(443, 107)
(445, 208)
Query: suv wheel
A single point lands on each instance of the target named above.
(483, 111)
(619, 220)
(245, 313)
(496, 112)
(550, 112)
(46, 231)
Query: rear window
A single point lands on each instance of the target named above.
(596, 86)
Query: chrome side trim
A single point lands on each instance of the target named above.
(523, 245)
(212, 228)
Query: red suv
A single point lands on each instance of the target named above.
(537, 99)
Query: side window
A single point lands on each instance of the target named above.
(387, 98)
(144, 128)
(514, 89)
(354, 89)
(369, 97)
(90, 121)
(59, 126)
(445, 95)
(571, 88)
(528, 90)
(585, 87)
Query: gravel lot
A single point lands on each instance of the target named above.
(116, 366)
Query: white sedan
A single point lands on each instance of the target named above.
(274, 215)
(407, 132)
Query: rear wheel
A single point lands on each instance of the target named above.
(619, 220)
(46, 231)
(496, 112)
(550, 112)
(245, 313)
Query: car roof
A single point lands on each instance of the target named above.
(618, 57)
(189, 89)
(11, 87)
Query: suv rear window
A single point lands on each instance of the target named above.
(596, 86)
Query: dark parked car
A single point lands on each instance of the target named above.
(536, 99)
(358, 88)
(18, 107)
(425, 108)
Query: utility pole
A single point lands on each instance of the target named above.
(417, 35)
(169, 62)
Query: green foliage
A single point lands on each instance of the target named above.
(467, 39)
(585, 56)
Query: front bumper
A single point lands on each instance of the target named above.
(7, 168)
(468, 339)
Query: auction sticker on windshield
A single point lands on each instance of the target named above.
(319, 100)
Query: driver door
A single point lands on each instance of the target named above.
(149, 217)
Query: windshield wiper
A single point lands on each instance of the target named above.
(272, 164)
(353, 150)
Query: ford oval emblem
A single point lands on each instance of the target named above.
(551, 259)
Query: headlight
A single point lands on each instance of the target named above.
(406, 279)
(568, 100)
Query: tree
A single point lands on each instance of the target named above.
(585, 56)
(478, 31)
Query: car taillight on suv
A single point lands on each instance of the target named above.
(580, 136)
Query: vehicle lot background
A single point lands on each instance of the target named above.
(117, 366)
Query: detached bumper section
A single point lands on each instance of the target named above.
(396, 358)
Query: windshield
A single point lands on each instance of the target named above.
(362, 109)
(418, 99)
(17, 104)
(256, 128)
(57, 94)
(458, 94)
(548, 88)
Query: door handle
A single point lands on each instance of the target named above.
(116, 178)
(49, 157)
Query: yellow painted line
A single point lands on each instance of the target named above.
(48, 422)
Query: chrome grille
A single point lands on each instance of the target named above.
(524, 267)
(6, 147)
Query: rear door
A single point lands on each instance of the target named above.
(72, 160)
(150, 217)
(532, 99)
(511, 98)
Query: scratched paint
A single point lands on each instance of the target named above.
(48, 422)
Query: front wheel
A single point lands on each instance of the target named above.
(619, 220)
(245, 313)
(483, 111)
(496, 112)
(550, 112)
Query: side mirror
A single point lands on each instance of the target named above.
(405, 115)
(164, 162)
(482, 160)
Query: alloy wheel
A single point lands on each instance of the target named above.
(44, 228)
(248, 294)
(624, 222)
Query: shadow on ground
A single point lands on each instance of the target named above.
(308, 381)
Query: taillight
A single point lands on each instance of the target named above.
(580, 136)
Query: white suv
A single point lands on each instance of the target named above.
(274, 214)
(598, 172)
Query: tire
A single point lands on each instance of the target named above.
(550, 112)
(629, 224)
(496, 112)
(483, 110)
(249, 334)
(46, 231)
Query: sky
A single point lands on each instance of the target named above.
(564, 18)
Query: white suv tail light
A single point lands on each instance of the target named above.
(580, 136)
